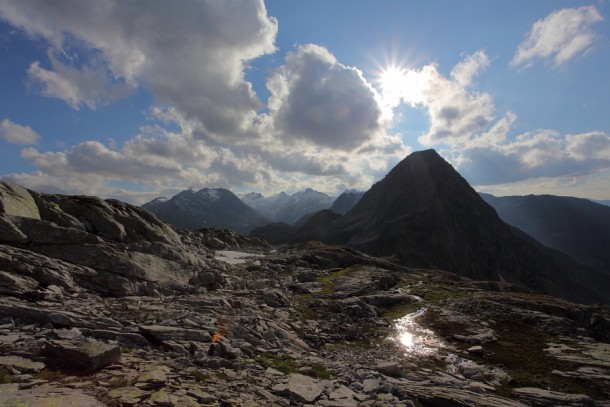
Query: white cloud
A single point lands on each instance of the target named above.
(318, 100)
(75, 87)
(464, 72)
(456, 114)
(592, 146)
(18, 134)
(190, 55)
(537, 154)
(559, 37)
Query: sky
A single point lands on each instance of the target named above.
(137, 99)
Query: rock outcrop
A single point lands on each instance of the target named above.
(107, 246)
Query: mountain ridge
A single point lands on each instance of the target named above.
(208, 207)
(424, 214)
(575, 226)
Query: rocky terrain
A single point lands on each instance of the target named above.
(101, 304)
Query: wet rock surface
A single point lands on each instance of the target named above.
(303, 325)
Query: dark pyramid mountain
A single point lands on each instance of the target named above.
(424, 214)
(208, 207)
(575, 226)
(346, 201)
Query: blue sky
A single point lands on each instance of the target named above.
(137, 99)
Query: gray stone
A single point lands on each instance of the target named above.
(22, 365)
(215, 243)
(42, 315)
(275, 299)
(17, 201)
(539, 397)
(201, 396)
(9, 232)
(128, 396)
(483, 337)
(154, 377)
(44, 396)
(389, 368)
(170, 333)
(88, 355)
(476, 350)
(300, 388)
(15, 285)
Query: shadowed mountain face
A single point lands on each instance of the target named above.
(577, 227)
(424, 214)
(346, 201)
(209, 207)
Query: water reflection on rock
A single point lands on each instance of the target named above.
(413, 338)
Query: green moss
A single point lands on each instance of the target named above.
(287, 365)
(328, 282)
(301, 306)
(284, 363)
(6, 377)
(200, 376)
(319, 371)
(126, 349)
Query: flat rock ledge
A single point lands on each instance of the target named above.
(87, 355)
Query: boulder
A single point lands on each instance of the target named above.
(389, 368)
(87, 355)
(301, 388)
(17, 201)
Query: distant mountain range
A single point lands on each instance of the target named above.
(424, 214)
(221, 208)
(575, 226)
(288, 208)
(208, 207)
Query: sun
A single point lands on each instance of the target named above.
(399, 84)
(391, 85)
(391, 79)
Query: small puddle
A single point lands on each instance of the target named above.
(413, 338)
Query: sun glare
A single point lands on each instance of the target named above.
(391, 79)
(398, 84)
(406, 339)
